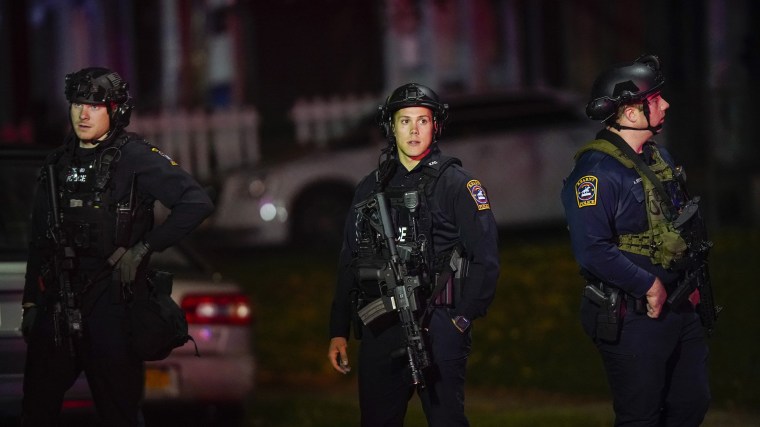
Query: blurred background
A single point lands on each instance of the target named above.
(230, 85)
(283, 65)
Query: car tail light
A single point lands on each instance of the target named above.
(217, 309)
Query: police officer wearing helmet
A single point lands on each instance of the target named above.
(97, 245)
(625, 203)
(447, 239)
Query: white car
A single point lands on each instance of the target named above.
(520, 145)
(220, 316)
(219, 313)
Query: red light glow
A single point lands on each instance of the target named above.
(77, 404)
(217, 309)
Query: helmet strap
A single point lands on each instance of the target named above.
(654, 129)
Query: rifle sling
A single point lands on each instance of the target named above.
(644, 169)
(440, 284)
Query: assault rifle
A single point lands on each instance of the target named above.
(397, 287)
(67, 318)
(689, 223)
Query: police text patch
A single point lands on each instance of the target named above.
(585, 190)
(478, 194)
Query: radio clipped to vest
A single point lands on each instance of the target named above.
(125, 216)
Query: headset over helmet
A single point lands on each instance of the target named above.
(624, 84)
(412, 95)
(97, 85)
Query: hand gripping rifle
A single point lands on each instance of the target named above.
(397, 291)
(67, 318)
(689, 223)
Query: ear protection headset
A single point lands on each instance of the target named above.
(411, 95)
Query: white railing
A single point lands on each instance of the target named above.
(205, 144)
(208, 144)
(318, 120)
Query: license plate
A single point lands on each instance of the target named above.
(161, 381)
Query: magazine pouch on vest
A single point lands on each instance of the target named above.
(412, 220)
(663, 243)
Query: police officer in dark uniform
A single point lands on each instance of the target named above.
(89, 248)
(447, 239)
(630, 220)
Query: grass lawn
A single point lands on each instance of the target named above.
(338, 407)
(530, 340)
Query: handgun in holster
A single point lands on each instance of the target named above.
(608, 320)
(455, 274)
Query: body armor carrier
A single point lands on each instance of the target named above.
(676, 238)
(94, 222)
(413, 223)
(663, 242)
(411, 230)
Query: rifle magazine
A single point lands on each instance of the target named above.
(372, 311)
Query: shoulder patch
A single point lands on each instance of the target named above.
(478, 194)
(161, 153)
(586, 191)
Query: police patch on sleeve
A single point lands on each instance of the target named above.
(585, 191)
(478, 194)
(156, 150)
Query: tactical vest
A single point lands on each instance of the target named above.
(413, 225)
(94, 223)
(662, 242)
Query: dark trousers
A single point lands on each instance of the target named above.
(115, 377)
(385, 383)
(658, 370)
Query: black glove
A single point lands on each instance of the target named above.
(27, 321)
(131, 259)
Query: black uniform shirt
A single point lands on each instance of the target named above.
(460, 213)
(158, 178)
(604, 199)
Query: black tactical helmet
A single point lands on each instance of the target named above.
(624, 84)
(97, 85)
(412, 95)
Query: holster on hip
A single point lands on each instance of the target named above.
(609, 319)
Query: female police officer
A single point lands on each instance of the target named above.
(620, 202)
(440, 217)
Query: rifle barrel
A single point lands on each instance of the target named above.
(53, 188)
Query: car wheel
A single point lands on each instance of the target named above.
(320, 214)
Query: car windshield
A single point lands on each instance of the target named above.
(478, 114)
